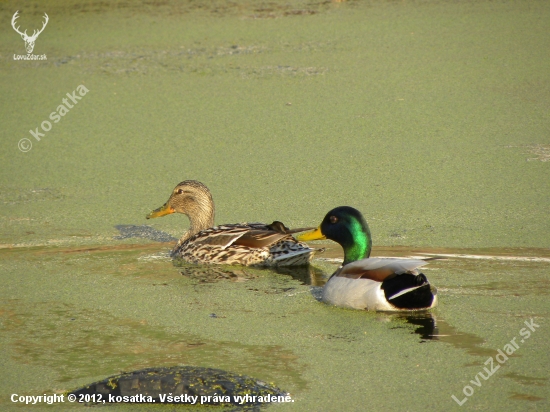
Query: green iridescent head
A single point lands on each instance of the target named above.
(346, 226)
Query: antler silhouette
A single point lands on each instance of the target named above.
(15, 17)
(35, 35)
(29, 40)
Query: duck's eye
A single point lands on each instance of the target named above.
(333, 219)
(179, 191)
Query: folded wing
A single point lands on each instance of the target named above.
(254, 235)
(379, 269)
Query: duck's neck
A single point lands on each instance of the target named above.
(201, 217)
(357, 245)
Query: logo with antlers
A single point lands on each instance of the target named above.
(29, 40)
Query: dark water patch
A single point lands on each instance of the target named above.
(193, 61)
(79, 343)
(525, 397)
(241, 8)
(214, 274)
(526, 380)
(430, 328)
(525, 287)
(13, 196)
(37, 252)
(306, 275)
(143, 231)
(427, 326)
(469, 342)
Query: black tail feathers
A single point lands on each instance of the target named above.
(419, 296)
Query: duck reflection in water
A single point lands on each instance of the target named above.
(426, 322)
(431, 328)
(306, 275)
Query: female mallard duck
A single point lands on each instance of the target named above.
(361, 282)
(236, 244)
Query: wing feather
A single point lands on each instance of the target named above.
(379, 269)
(251, 235)
(260, 238)
(222, 236)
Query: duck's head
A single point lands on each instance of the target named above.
(346, 226)
(191, 198)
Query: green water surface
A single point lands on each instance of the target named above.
(431, 117)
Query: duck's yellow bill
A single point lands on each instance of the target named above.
(314, 235)
(161, 211)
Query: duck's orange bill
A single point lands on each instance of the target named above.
(161, 211)
(314, 235)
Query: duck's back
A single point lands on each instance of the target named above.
(244, 244)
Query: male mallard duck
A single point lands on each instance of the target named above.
(236, 244)
(361, 282)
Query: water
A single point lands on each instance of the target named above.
(429, 117)
(76, 315)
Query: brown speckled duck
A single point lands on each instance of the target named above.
(234, 244)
